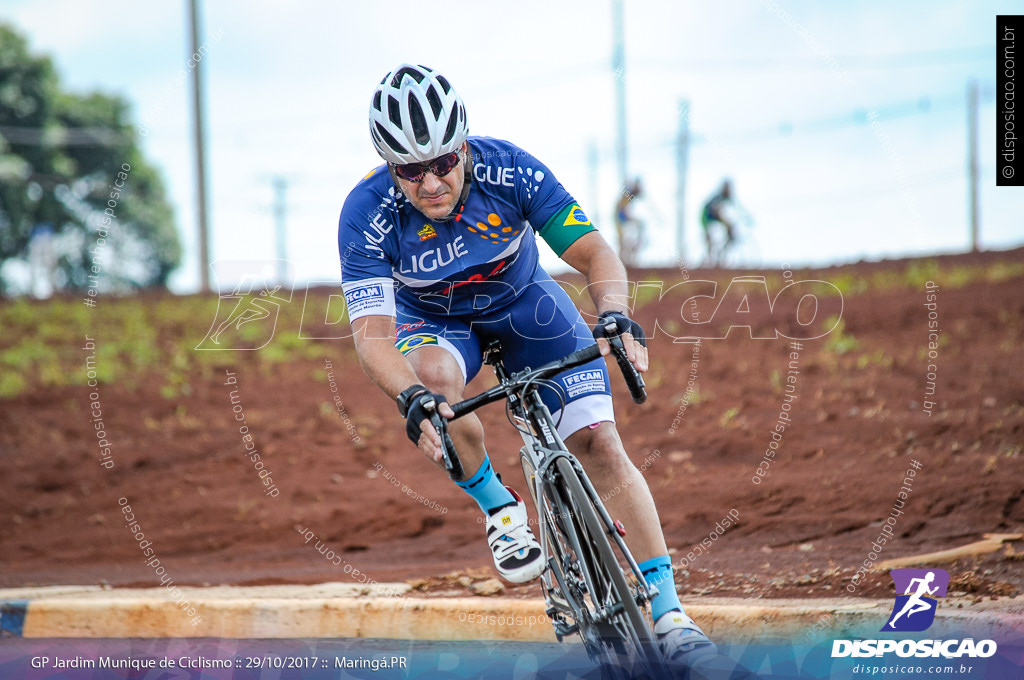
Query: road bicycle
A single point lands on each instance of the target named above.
(592, 585)
(743, 251)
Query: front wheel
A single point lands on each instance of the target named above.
(557, 579)
(615, 630)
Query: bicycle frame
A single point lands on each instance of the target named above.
(547, 455)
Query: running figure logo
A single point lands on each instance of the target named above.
(247, 316)
(914, 610)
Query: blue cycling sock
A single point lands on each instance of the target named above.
(657, 572)
(486, 489)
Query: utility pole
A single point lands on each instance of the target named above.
(200, 150)
(280, 211)
(593, 159)
(682, 163)
(619, 71)
(972, 159)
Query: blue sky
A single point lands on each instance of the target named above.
(775, 88)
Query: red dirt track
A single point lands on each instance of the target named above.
(856, 425)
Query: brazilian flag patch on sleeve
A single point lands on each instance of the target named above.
(565, 227)
(575, 216)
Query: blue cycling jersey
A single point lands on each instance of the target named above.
(391, 252)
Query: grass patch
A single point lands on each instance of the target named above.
(43, 343)
(839, 341)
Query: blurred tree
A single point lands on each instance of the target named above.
(61, 158)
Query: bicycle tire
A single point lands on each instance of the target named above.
(627, 636)
(556, 566)
(563, 583)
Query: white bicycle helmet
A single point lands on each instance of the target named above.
(416, 116)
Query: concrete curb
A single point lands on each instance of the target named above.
(336, 610)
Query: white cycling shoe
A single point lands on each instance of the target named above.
(516, 552)
(679, 637)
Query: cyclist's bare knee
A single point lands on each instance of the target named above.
(597, 446)
(438, 370)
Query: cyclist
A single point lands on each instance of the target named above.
(630, 230)
(439, 255)
(715, 213)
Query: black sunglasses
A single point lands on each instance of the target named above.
(440, 166)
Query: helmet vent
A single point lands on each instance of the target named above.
(444, 83)
(449, 131)
(389, 140)
(401, 73)
(435, 102)
(394, 112)
(419, 122)
(376, 99)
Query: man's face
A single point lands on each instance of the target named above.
(436, 196)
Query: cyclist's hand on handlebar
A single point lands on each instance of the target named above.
(634, 341)
(418, 409)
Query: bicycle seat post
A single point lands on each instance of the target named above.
(492, 353)
(493, 356)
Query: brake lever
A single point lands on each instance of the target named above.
(452, 463)
(634, 381)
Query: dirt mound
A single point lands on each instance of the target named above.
(809, 445)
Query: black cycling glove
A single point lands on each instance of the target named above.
(622, 325)
(417, 404)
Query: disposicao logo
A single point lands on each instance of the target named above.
(914, 611)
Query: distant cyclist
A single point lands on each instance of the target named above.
(441, 240)
(716, 216)
(630, 230)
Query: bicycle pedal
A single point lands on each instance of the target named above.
(620, 528)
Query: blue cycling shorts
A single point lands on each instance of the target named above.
(540, 325)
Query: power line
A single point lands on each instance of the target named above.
(865, 191)
(855, 118)
(858, 117)
(937, 57)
